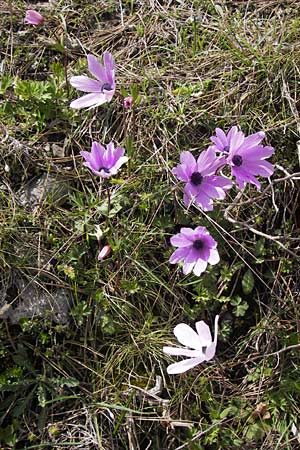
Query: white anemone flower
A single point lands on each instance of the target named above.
(201, 343)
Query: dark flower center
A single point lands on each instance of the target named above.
(196, 178)
(226, 148)
(105, 169)
(237, 160)
(198, 244)
(106, 87)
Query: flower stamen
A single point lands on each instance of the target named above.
(237, 160)
(106, 87)
(198, 244)
(196, 178)
(105, 169)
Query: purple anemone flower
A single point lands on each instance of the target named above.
(223, 143)
(104, 161)
(245, 155)
(202, 185)
(100, 90)
(195, 249)
(204, 348)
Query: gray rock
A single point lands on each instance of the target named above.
(33, 301)
(39, 188)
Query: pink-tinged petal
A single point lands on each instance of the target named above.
(188, 159)
(109, 64)
(214, 166)
(208, 240)
(184, 365)
(198, 232)
(205, 158)
(222, 182)
(192, 190)
(97, 152)
(187, 200)
(204, 333)
(188, 268)
(243, 177)
(257, 153)
(109, 156)
(33, 17)
(204, 201)
(217, 143)
(179, 240)
(199, 267)
(211, 188)
(87, 156)
(239, 179)
(104, 252)
(236, 141)
(262, 167)
(85, 84)
(214, 257)
(232, 132)
(253, 140)
(89, 100)
(192, 255)
(109, 61)
(203, 253)
(182, 172)
(187, 336)
(178, 255)
(90, 166)
(221, 137)
(120, 162)
(208, 162)
(179, 351)
(189, 233)
(96, 69)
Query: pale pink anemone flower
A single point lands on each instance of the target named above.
(245, 155)
(104, 252)
(100, 90)
(204, 348)
(127, 102)
(195, 249)
(32, 17)
(202, 185)
(102, 161)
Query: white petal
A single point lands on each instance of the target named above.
(214, 256)
(210, 352)
(85, 84)
(216, 329)
(184, 365)
(200, 267)
(188, 267)
(96, 69)
(180, 351)
(204, 333)
(187, 336)
(120, 161)
(89, 100)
